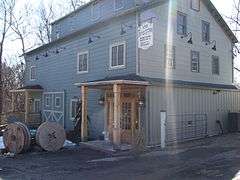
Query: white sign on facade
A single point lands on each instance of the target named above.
(145, 35)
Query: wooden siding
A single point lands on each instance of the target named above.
(165, 27)
(58, 72)
(183, 100)
(83, 18)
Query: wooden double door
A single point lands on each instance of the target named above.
(129, 119)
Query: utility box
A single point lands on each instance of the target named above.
(234, 122)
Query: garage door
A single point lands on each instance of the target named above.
(185, 127)
(53, 107)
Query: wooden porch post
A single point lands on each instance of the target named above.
(117, 114)
(84, 125)
(13, 101)
(26, 106)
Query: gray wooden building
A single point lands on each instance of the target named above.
(182, 65)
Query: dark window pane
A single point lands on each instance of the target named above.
(114, 56)
(120, 55)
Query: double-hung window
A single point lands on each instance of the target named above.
(195, 5)
(118, 4)
(117, 55)
(82, 63)
(215, 65)
(195, 65)
(33, 73)
(181, 23)
(170, 56)
(205, 31)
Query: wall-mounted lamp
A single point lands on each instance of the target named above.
(91, 37)
(101, 100)
(216, 92)
(188, 35)
(124, 28)
(45, 54)
(214, 43)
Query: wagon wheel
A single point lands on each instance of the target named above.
(51, 136)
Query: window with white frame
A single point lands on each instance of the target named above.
(215, 65)
(195, 65)
(82, 63)
(47, 101)
(37, 106)
(205, 31)
(117, 55)
(118, 4)
(33, 73)
(195, 5)
(57, 102)
(170, 56)
(96, 11)
(73, 108)
(181, 23)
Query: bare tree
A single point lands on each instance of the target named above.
(46, 16)
(74, 4)
(13, 77)
(6, 9)
(22, 27)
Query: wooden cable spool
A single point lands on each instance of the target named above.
(50, 136)
(16, 138)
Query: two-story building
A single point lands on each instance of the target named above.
(176, 85)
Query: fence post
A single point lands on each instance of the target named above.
(163, 128)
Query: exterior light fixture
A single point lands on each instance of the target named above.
(101, 100)
(188, 35)
(124, 28)
(214, 43)
(91, 37)
(37, 58)
(45, 55)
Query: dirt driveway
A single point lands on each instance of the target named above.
(213, 158)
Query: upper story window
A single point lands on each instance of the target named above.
(96, 11)
(118, 4)
(205, 31)
(170, 56)
(33, 73)
(195, 65)
(181, 23)
(195, 5)
(215, 65)
(82, 63)
(117, 55)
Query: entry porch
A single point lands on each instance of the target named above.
(25, 106)
(123, 102)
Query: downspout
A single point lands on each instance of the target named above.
(232, 63)
(137, 49)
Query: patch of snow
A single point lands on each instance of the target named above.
(1, 143)
(68, 143)
(111, 159)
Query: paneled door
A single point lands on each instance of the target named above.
(129, 119)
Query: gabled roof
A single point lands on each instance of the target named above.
(217, 16)
(211, 8)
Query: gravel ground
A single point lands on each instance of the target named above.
(213, 158)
